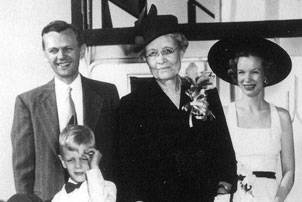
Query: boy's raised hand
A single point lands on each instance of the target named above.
(94, 157)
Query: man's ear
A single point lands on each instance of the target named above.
(45, 57)
(62, 161)
(83, 50)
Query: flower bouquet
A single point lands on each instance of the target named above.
(199, 106)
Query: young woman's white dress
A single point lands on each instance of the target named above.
(257, 149)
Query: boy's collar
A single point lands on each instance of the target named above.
(71, 185)
(72, 181)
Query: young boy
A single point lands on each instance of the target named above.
(81, 159)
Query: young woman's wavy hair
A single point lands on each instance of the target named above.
(267, 64)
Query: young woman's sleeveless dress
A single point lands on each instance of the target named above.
(257, 149)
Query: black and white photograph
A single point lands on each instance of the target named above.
(151, 101)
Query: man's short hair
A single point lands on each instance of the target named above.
(60, 26)
(77, 134)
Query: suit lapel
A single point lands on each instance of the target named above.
(92, 102)
(48, 115)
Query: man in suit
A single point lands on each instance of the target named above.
(43, 112)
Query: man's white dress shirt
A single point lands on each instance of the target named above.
(61, 90)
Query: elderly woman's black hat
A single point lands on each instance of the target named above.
(151, 26)
(224, 51)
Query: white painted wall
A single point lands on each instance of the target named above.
(22, 64)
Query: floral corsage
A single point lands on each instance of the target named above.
(199, 106)
(247, 180)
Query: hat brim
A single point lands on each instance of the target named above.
(154, 26)
(141, 42)
(224, 50)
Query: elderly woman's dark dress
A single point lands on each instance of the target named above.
(162, 158)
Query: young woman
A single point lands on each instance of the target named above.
(260, 131)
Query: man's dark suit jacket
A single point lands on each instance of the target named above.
(161, 158)
(35, 133)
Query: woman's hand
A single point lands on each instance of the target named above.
(224, 188)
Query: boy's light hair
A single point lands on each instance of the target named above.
(78, 134)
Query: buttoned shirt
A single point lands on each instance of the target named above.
(94, 189)
(61, 90)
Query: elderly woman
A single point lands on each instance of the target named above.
(260, 131)
(162, 158)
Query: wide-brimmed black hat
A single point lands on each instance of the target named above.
(223, 51)
(151, 26)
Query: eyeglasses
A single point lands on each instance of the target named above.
(164, 52)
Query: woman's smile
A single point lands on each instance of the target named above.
(249, 87)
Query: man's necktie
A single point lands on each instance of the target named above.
(69, 187)
(72, 112)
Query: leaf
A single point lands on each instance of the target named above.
(189, 80)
